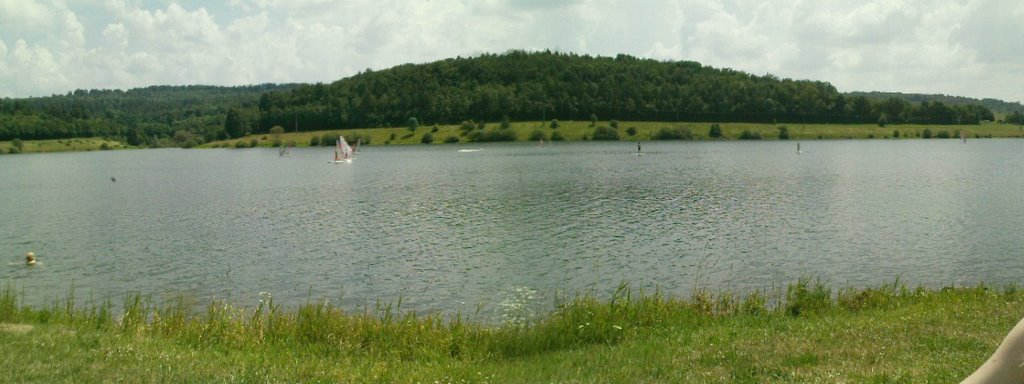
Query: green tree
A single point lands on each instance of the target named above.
(783, 133)
(181, 136)
(427, 138)
(1014, 118)
(493, 135)
(678, 133)
(593, 119)
(506, 123)
(134, 137)
(18, 144)
(749, 135)
(412, 124)
(233, 123)
(605, 133)
(276, 130)
(554, 123)
(715, 131)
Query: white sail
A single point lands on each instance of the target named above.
(342, 151)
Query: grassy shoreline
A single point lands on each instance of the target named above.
(569, 130)
(816, 334)
(644, 131)
(81, 144)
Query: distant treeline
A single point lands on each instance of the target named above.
(517, 86)
(998, 107)
(548, 85)
(142, 116)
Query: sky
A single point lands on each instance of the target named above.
(972, 48)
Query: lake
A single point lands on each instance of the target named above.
(447, 231)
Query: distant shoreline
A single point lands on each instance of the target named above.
(626, 131)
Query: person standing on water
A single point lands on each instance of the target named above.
(638, 146)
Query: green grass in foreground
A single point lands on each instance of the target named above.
(889, 334)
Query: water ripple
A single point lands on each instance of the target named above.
(447, 232)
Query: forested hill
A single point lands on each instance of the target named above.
(524, 86)
(547, 85)
(998, 107)
(142, 116)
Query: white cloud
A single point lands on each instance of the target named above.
(24, 15)
(5, 69)
(968, 47)
(756, 41)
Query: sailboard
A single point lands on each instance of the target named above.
(343, 153)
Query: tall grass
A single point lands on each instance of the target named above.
(387, 331)
(717, 337)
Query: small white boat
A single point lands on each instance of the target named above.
(469, 150)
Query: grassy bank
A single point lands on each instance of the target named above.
(60, 145)
(816, 334)
(567, 130)
(628, 131)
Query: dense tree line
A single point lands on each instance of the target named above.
(998, 107)
(515, 86)
(546, 85)
(141, 116)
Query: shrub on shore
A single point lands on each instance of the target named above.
(605, 133)
(715, 131)
(749, 135)
(678, 133)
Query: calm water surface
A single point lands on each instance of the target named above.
(449, 231)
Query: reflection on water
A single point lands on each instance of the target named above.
(444, 230)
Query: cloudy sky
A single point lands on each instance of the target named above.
(958, 47)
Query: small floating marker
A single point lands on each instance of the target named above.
(112, 179)
(30, 258)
